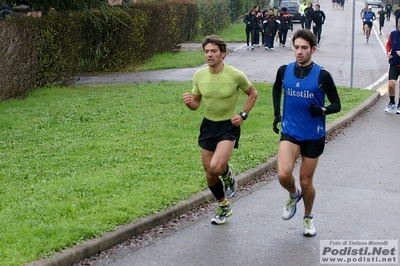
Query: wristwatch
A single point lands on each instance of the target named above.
(323, 110)
(243, 115)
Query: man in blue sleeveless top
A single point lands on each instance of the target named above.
(368, 19)
(304, 85)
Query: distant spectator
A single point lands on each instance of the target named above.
(285, 24)
(389, 10)
(308, 13)
(259, 19)
(271, 24)
(251, 23)
(397, 15)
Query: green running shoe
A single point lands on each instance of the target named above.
(222, 213)
(230, 184)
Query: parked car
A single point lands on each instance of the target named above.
(377, 3)
(293, 8)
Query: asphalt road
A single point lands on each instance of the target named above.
(357, 179)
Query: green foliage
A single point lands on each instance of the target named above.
(217, 15)
(59, 46)
(129, 35)
(19, 63)
(106, 40)
(214, 16)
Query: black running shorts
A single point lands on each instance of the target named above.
(213, 132)
(308, 148)
(369, 24)
(394, 72)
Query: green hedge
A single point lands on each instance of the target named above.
(54, 48)
(20, 57)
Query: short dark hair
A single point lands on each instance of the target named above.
(306, 35)
(214, 39)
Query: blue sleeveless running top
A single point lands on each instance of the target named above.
(298, 94)
(369, 16)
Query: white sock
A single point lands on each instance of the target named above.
(294, 195)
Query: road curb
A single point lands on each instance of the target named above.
(124, 232)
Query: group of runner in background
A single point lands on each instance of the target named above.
(269, 25)
(272, 26)
(368, 16)
(392, 47)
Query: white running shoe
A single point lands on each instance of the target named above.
(309, 226)
(290, 206)
(390, 107)
(398, 110)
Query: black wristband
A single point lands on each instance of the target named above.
(243, 115)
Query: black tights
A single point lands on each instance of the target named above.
(282, 36)
(250, 32)
(317, 32)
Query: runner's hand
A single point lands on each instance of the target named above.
(187, 98)
(277, 119)
(315, 110)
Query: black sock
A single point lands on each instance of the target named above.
(391, 99)
(218, 190)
